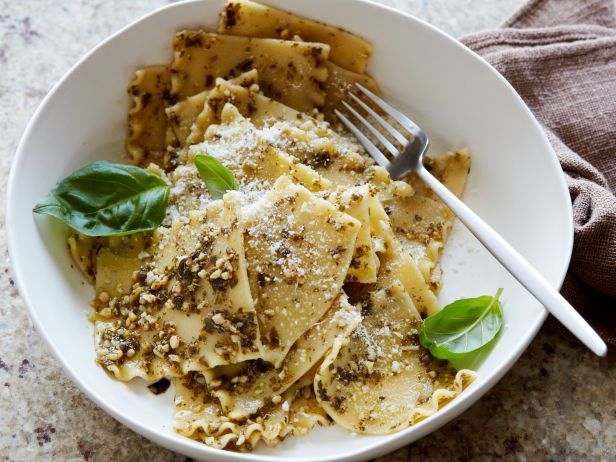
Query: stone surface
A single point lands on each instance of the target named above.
(558, 403)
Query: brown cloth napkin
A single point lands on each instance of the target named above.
(560, 56)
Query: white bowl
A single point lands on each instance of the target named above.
(516, 184)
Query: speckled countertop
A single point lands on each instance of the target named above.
(558, 403)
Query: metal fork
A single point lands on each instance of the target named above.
(410, 159)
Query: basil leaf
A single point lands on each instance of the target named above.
(217, 178)
(462, 327)
(108, 199)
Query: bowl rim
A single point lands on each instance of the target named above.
(195, 449)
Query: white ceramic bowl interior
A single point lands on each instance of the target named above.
(515, 184)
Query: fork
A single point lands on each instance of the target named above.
(410, 159)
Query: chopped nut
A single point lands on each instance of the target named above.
(146, 298)
(276, 399)
(117, 354)
(174, 341)
(105, 312)
(402, 189)
(216, 274)
(103, 297)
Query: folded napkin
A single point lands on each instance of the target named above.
(560, 56)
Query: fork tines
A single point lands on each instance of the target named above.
(416, 134)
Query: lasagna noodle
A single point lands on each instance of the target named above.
(200, 417)
(340, 82)
(190, 308)
(354, 201)
(396, 264)
(291, 72)
(144, 364)
(250, 103)
(245, 397)
(250, 19)
(114, 274)
(377, 382)
(183, 114)
(208, 253)
(310, 143)
(255, 163)
(298, 251)
(451, 169)
(149, 134)
(315, 144)
(338, 160)
(115, 262)
(423, 223)
(422, 226)
(84, 250)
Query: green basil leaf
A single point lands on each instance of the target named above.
(462, 327)
(108, 199)
(217, 178)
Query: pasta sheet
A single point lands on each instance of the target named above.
(378, 382)
(290, 72)
(250, 19)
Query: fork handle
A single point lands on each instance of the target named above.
(517, 265)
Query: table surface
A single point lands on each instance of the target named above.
(557, 403)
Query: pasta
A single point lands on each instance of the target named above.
(250, 19)
(288, 71)
(183, 114)
(355, 202)
(248, 102)
(289, 232)
(294, 297)
(244, 398)
(375, 383)
(200, 417)
(189, 308)
(340, 81)
(148, 131)
(256, 163)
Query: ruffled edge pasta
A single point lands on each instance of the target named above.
(439, 397)
(140, 151)
(297, 414)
